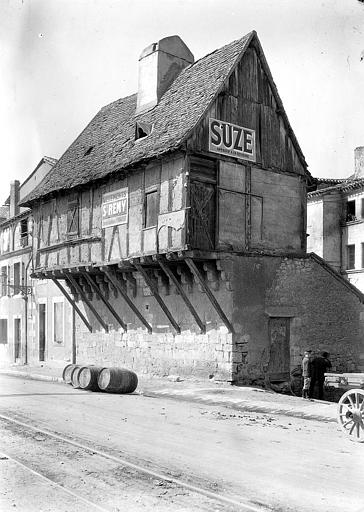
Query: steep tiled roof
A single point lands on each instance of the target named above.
(344, 185)
(108, 145)
(329, 181)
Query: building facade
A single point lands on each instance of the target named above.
(35, 321)
(175, 226)
(336, 222)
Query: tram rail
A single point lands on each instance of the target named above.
(237, 504)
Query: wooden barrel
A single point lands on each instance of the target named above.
(74, 376)
(67, 372)
(88, 376)
(117, 380)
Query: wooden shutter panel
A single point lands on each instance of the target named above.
(73, 217)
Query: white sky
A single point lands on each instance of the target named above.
(62, 60)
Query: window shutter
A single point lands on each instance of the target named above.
(73, 217)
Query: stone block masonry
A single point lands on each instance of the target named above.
(322, 313)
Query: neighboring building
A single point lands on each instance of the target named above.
(177, 219)
(35, 324)
(335, 222)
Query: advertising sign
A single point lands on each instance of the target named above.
(114, 208)
(232, 140)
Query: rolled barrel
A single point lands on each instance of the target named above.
(88, 376)
(117, 380)
(67, 373)
(74, 376)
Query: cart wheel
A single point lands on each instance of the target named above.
(351, 414)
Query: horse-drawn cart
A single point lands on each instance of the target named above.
(351, 404)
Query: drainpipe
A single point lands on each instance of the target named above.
(73, 336)
(26, 307)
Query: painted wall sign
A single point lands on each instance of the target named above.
(232, 140)
(115, 208)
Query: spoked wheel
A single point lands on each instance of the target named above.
(351, 414)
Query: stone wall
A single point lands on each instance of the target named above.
(324, 314)
(164, 352)
(329, 316)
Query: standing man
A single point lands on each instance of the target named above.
(319, 366)
(306, 373)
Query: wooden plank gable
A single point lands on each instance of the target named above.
(247, 99)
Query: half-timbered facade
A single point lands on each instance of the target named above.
(172, 221)
(35, 319)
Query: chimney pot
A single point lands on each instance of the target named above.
(359, 162)
(14, 198)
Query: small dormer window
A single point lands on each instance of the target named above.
(142, 130)
(88, 151)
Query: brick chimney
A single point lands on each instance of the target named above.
(359, 162)
(159, 65)
(14, 198)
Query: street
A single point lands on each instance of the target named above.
(76, 450)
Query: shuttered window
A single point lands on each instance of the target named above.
(4, 281)
(73, 217)
(16, 281)
(350, 254)
(151, 209)
(3, 330)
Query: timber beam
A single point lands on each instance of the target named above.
(73, 303)
(195, 271)
(115, 282)
(173, 278)
(149, 282)
(70, 278)
(98, 292)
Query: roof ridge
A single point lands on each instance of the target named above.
(246, 36)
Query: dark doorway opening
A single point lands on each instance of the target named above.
(279, 360)
(42, 331)
(17, 338)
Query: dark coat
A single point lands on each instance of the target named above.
(319, 366)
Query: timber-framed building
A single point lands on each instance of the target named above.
(175, 224)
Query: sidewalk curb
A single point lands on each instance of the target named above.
(240, 405)
(231, 403)
(31, 376)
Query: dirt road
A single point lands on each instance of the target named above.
(266, 462)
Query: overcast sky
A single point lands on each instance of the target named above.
(62, 60)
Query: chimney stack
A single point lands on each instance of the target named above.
(159, 65)
(359, 162)
(14, 198)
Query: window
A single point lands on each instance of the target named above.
(58, 323)
(142, 130)
(88, 151)
(350, 211)
(16, 283)
(4, 281)
(24, 232)
(3, 330)
(350, 257)
(73, 216)
(151, 209)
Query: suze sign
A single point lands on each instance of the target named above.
(114, 209)
(232, 140)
